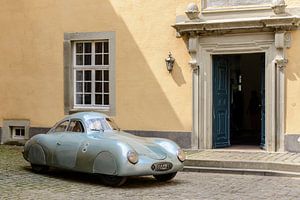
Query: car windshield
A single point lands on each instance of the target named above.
(101, 124)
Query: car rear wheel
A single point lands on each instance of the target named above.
(114, 181)
(39, 168)
(165, 177)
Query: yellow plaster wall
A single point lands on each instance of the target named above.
(293, 86)
(147, 96)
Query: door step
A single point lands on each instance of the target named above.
(240, 171)
(256, 163)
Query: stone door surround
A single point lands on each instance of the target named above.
(269, 35)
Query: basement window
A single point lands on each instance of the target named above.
(18, 132)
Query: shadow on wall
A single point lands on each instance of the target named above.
(141, 103)
(177, 75)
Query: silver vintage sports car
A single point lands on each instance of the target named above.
(91, 142)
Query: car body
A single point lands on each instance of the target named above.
(91, 142)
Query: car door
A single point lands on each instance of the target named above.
(68, 144)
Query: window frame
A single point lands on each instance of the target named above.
(93, 67)
(14, 129)
(70, 39)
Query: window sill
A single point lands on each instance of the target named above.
(105, 110)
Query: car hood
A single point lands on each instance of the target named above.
(142, 145)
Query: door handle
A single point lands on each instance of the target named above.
(58, 143)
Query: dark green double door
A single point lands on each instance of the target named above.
(221, 101)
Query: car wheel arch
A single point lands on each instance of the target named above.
(105, 163)
(36, 155)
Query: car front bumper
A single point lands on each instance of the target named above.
(145, 167)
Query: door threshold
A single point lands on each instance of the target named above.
(248, 148)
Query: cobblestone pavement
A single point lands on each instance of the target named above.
(17, 181)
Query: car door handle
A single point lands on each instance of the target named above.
(58, 143)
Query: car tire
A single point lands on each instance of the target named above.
(165, 177)
(112, 180)
(39, 168)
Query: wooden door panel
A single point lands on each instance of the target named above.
(220, 102)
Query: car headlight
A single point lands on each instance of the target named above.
(132, 157)
(181, 155)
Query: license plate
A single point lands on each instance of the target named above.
(161, 166)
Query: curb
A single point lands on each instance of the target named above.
(240, 171)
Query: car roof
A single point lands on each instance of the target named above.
(86, 115)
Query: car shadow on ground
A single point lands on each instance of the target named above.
(93, 179)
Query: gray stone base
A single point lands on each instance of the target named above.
(292, 143)
(37, 130)
(32, 132)
(183, 139)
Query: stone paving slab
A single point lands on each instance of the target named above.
(285, 162)
(286, 158)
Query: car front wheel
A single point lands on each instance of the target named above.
(165, 177)
(39, 168)
(114, 181)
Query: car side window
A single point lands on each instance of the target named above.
(61, 127)
(76, 126)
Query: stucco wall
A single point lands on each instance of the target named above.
(293, 86)
(292, 80)
(147, 96)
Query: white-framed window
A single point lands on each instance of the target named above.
(18, 132)
(91, 64)
(89, 72)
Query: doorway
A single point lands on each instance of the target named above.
(238, 100)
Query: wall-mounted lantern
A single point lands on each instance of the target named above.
(170, 62)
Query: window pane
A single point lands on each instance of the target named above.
(105, 47)
(98, 87)
(87, 75)
(106, 59)
(79, 99)
(106, 87)
(62, 127)
(87, 47)
(79, 47)
(87, 59)
(88, 87)
(98, 99)
(87, 99)
(106, 77)
(98, 60)
(17, 131)
(79, 75)
(22, 132)
(98, 47)
(75, 126)
(79, 60)
(79, 87)
(106, 99)
(98, 75)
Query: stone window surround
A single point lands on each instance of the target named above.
(69, 38)
(6, 135)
